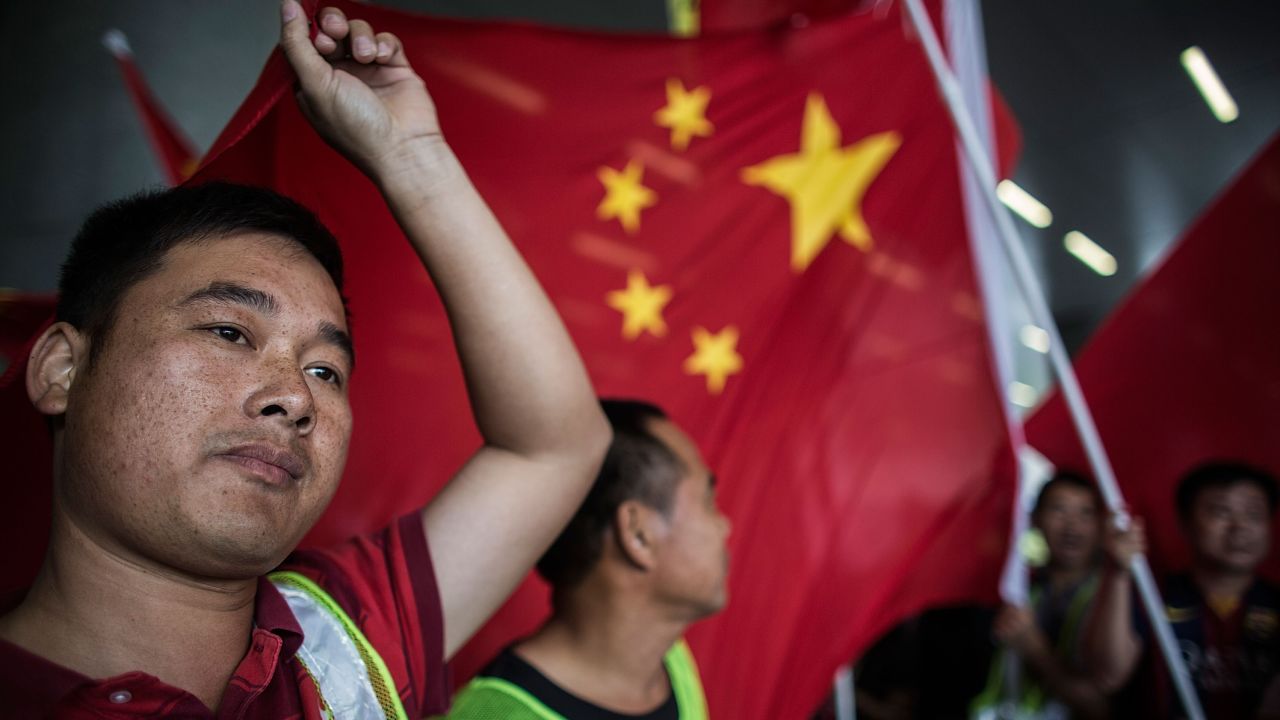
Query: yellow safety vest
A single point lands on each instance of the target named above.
(487, 698)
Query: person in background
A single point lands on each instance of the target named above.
(1225, 618)
(1045, 636)
(643, 558)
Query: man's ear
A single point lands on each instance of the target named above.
(52, 366)
(637, 528)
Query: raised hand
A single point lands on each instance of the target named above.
(1016, 627)
(1122, 544)
(358, 89)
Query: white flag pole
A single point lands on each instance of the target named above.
(980, 164)
(846, 706)
(962, 22)
(965, 45)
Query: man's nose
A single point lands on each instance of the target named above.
(283, 393)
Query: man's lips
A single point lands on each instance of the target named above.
(278, 466)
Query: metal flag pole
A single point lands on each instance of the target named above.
(981, 166)
(846, 707)
(966, 51)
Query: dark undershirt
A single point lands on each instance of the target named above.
(510, 667)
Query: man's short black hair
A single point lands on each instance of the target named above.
(1221, 473)
(638, 466)
(124, 242)
(1066, 478)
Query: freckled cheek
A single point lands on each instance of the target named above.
(193, 387)
(182, 395)
(333, 438)
(133, 420)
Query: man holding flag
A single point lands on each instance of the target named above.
(1226, 618)
(196, 384)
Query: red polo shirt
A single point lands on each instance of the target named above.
(383, 581)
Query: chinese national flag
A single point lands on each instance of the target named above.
(763, 233)
(1187, 370)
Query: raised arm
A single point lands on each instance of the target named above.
(544, 433)
(1111, 645)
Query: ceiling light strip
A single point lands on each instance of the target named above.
(1209, 84)
(1090, 253)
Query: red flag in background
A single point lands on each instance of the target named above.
(177, 156)
(27, 447)
(1188, 368)
(22, 317)
(761, 232)
(736, 15)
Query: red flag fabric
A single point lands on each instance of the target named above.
(26, 442)
(736, 15)
(761, 232)
(178, 157)
(1188, 368)
(22, 317)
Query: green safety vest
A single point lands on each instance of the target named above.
(352, 680)
(997, 702)
(487, 698)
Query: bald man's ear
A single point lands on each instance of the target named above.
(636, 530)
(52, 366)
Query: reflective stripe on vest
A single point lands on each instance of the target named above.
(686, 683)
(350, 676)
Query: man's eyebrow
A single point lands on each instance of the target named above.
(265, 303)
(334, 335)
(235, 294)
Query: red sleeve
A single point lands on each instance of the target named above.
(387, 585)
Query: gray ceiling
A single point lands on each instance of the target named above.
(1116, 140)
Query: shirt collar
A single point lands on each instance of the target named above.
(272, 613)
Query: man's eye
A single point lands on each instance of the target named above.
(228, 333)
(328, 375)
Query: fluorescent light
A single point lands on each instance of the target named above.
(1021, 202)
(1209, 85)
(1034, 337)
(1090, 253)
(1022, 394)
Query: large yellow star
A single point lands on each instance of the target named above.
(715, 356)
(641, 306)
(824, 182)
(624, 196)
(685, 113)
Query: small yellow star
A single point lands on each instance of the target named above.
(624, 196)
(824, 182)
(641, 306)
(685, 113)
(715, 356)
